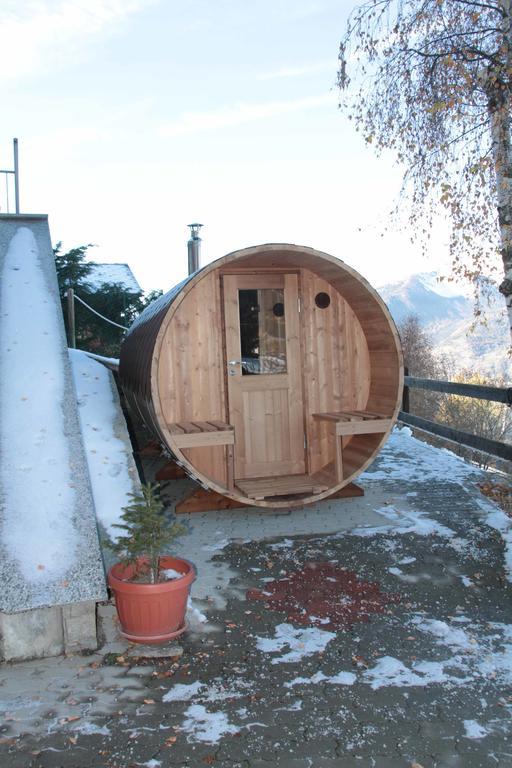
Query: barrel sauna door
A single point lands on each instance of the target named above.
(265, 400)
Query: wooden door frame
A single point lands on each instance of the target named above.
(268, 271)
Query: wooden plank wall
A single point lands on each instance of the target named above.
(344, 368)
(191, 370)
(336, 364)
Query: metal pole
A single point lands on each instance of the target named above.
(16, 176)
(70, 295)
(405, 397)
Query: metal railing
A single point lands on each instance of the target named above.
(16, 174)
(483, 444)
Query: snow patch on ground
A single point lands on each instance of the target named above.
(208, 727)
(195, 618)
(183, 691)
(498, 520)
(217, 690)
(285, 544)
(474, 730)
(404, 521)
(392, 672)
(418, 461)
(301, 642)
(91, 729)
(35, 473)
(106, 453)
(342, 678)
(450, 636)
(474, 659)
(318, 677)
(406, 458)
(216, 546)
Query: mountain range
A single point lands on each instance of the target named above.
(447, 314)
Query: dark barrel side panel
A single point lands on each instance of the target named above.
(136, 358)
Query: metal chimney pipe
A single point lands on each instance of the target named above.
(194, 248)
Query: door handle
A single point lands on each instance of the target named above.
(234, 362)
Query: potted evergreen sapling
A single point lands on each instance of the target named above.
(151, 589)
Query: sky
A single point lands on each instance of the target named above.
(138, 117)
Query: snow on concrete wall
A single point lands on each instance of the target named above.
(49, 548)
(107, 443)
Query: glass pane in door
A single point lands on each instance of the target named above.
(262, 331)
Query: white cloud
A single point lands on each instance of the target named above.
(193, 122)
(35, 34)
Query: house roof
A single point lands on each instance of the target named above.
(113, 273)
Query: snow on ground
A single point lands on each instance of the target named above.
(342, 678)
(183, 691)
(107, 454)
(470, 656)
(207, 726)
(216, 690)
(453, 637)
(88, 729)
(405, 521)
(389, 671)
(301, 642)
(195, 618)
(498, 520)
(474, 730)
(218, 545)
(419, 461)
(35, 472)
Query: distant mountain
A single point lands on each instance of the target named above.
(446, 312)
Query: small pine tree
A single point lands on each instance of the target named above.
(147, 532)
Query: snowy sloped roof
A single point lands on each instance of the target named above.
(113, 273)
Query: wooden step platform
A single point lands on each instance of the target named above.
(203, 500)
(287, 485)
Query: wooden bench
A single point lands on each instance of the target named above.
(348, 423)
(203, 434)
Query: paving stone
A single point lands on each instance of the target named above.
(168, 650)
(317, 725)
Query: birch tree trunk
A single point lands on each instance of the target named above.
(499, 98)
(502, 155)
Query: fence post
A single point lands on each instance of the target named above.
(405, 396)
(16, 176)
(70, 295)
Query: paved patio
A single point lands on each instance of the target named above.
(370, 632)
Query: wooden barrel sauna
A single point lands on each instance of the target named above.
(273, 375)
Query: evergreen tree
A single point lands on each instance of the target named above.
(147, 533)
(111, 300)
(72, 268)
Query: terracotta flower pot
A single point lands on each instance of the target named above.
(151, 613)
